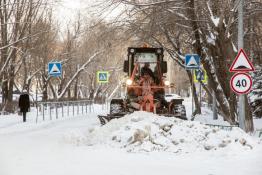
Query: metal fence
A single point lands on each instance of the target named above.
(257, 132)
(51, 110)
(223, 127)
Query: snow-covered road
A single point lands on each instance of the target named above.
(44, 149)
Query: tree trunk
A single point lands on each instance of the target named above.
(210, 96)
(249, 125)
(69, 93)
(223, 94)
(75, 89)
(44, 88)
(53, 90)
(4, 88)
(9, 103)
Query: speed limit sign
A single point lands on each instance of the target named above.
(241, 83)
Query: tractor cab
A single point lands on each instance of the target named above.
(142, 61)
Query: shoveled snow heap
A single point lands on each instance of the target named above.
(146, 132)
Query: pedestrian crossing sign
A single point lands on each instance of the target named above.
(200, 75)
(102, 76)
(192, 61)
(55, 69)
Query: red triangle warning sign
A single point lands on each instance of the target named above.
(241, 63)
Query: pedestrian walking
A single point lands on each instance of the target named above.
(24, 104)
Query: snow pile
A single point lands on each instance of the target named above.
(146, 132)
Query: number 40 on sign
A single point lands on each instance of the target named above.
(241, 83)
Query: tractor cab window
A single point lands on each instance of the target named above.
(147, 68)
(151, 69)
(146, 57)
(151, 66)
(146, 61)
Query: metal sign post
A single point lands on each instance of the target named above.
(240, 46)
(200, 94)
(192, 61)
(102, 78)
(192, 72)
(243, 82)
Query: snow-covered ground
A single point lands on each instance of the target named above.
(78, 145)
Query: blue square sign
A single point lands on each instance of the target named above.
(192, 61)
(54, 69)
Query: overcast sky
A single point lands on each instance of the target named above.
(67, 10)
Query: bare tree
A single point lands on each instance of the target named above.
(16, 18)
(205, 27)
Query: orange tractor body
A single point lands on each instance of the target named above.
(145, 86)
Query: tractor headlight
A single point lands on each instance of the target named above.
(167, 83)
(132, 50)
(129, 82)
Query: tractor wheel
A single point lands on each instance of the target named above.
(180, 111)
(116, 107)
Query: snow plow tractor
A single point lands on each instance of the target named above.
(145, 87)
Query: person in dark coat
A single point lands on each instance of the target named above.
(146, 70)
(24, 104)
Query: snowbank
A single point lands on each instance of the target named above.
(147, 132)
